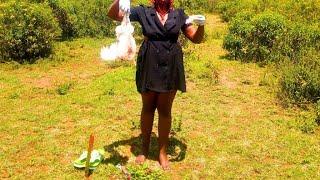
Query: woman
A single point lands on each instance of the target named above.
(160, 70)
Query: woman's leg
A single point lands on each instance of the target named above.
(149, 101)
(164, 105)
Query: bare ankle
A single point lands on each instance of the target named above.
(164, 161)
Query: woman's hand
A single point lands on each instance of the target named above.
(124, 6)
(116, 9)
(194, 34)
(199, 20)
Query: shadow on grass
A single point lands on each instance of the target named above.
(232, 58)
(227, 57)
(177, 150)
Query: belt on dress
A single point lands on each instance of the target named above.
(159, 39)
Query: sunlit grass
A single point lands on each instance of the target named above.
(227, 125)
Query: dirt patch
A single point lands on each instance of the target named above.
(226, 82)
(191, 86)
(43, 82)
(4, 174)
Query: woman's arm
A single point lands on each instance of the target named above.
(193, 34)
(114, 12)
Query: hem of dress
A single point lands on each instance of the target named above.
(157, 91)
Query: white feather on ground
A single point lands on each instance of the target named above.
(125, 46)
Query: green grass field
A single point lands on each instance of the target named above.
(229, 124)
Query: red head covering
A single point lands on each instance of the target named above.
(162, 6)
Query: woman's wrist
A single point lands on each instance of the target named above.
(114, 11)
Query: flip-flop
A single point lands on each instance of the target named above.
(96, 158)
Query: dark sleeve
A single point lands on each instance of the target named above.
(135, 13)
(184, 17)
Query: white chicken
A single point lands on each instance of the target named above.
(125, 46)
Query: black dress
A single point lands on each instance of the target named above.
(160, 59)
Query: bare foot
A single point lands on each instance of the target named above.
(141, 159)
(163, 160)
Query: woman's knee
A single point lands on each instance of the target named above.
(166, 117)
(149, 102)
(164, 112)
(149, 108)
(164, 104)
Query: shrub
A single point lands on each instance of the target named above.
(315, 36)
(255, 38)
(306, 123)
(198, 6)
(229, 9)
(67, 27)
(80, 18)
(298, 38)
(302, 11)
(300, 81)
(268, 28)
(27, 31)
(290, 31)
(233, 44)
(240, 30)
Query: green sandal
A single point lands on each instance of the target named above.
(97, 157)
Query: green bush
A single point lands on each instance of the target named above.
(298, 38)
(302, 11)
(306, 123)
(229, 9)
(67, 27)
(255, 38)
(268, 29)
(80, 18)
(300, 81)
(269, 36)
(199, 6)
(289, 34)
(233, 44)
(240, 30)
(27, 31)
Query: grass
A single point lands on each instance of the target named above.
(227, 125)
